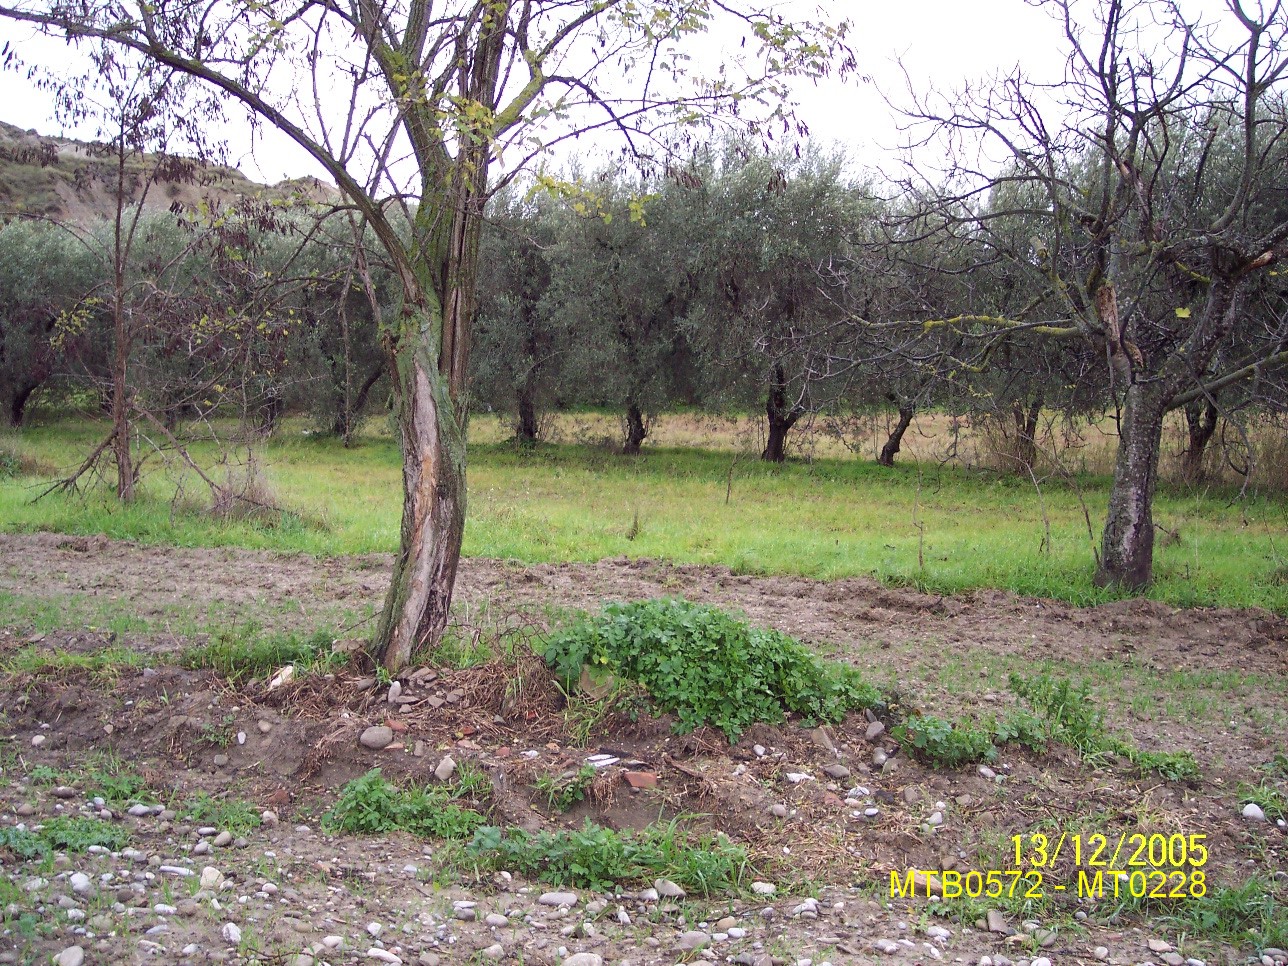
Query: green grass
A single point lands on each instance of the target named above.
(829, 518)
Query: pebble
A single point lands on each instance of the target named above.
(377, 737)
(36, 742)
(887, 946)
(694, 939)
(71, 956)
(558, 899)
(764, 888)
(837, 771)
(383, 955)
(446, 768)
(986, 772)
(760, 750)
(778, 810)
(583, 959)
(668, 889)
(936, 819)
(1101, 952)
(1254, 812)
(875, 730)
(231, 933)
(139, 811)
(80, 882)
(211, 878)
(222, 839)
(496, 920)
(494, 952)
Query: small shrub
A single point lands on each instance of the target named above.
(707, 667)
(1068, 711)
(372, 806)
(943, 743)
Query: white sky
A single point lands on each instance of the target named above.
(941, 42)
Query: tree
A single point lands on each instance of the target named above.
(1150, 173)
(46, 273)
(435, 93)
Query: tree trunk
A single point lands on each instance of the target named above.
(895, 439)
(16, 410)
(1026, 431)
(636, 431)
(1200, 421)
(121, 406)
(781, 419)
(1127, 551)
(432, 439)
(528, 429)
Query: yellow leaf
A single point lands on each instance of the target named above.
(1182, 313)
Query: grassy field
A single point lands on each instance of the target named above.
(939, 528)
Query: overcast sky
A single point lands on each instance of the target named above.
(940, 42)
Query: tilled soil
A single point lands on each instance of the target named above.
(292, 890)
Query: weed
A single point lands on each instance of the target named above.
(707, 667)
(1271, 801)
(231, 814)
(247, 653)
(74, 833)
(594, 857)
(221, 735)
(105, 776)
(22, 843)
(564, 791)
(943, 743)
(370, 805)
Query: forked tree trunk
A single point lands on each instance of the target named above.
(895, 439)
(1127, 551)
(1200, 421)
(433, 520)
(636, 431)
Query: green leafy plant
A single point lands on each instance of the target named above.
(1270, 800)
(564, 791)
(231, 814)
(74, 833)
(370, 805)
(707, 667)
(219, 735)
(22, 843)
(944, 743)
(594, 857)
(247, 653)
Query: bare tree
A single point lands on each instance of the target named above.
(1150, 175)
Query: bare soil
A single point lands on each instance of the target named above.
(1207, 681)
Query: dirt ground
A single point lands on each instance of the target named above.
(1207, 681)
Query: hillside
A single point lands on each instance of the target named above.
(71, 180)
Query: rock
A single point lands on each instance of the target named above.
(37, 741)
(1160, 946)
(778, 810)
(1173, 959)
(641, 779)
(936, 819)
(837, 771)
(466, 913)
(694, 939)
(764, 888)
(760, 750)
(986, 772)
(583, 959)
(395, 692)
(1101, 952)
(997, 923)
(939, 934)
(71, 956)
(823, 739)
(875, 730)
(1254, 812)
(231, 933)
(911, 795)
(139, 811)
(668, 889)
(446, 768)
(879, 757)
(222, 839)
(80, 882)
(495, 952)
(796, 777)
(558, 899)
(496, 920)
(377, 737)
(384, 956)
(1040, 961)
(1045, 937)
(220, 761)
(887, 946)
